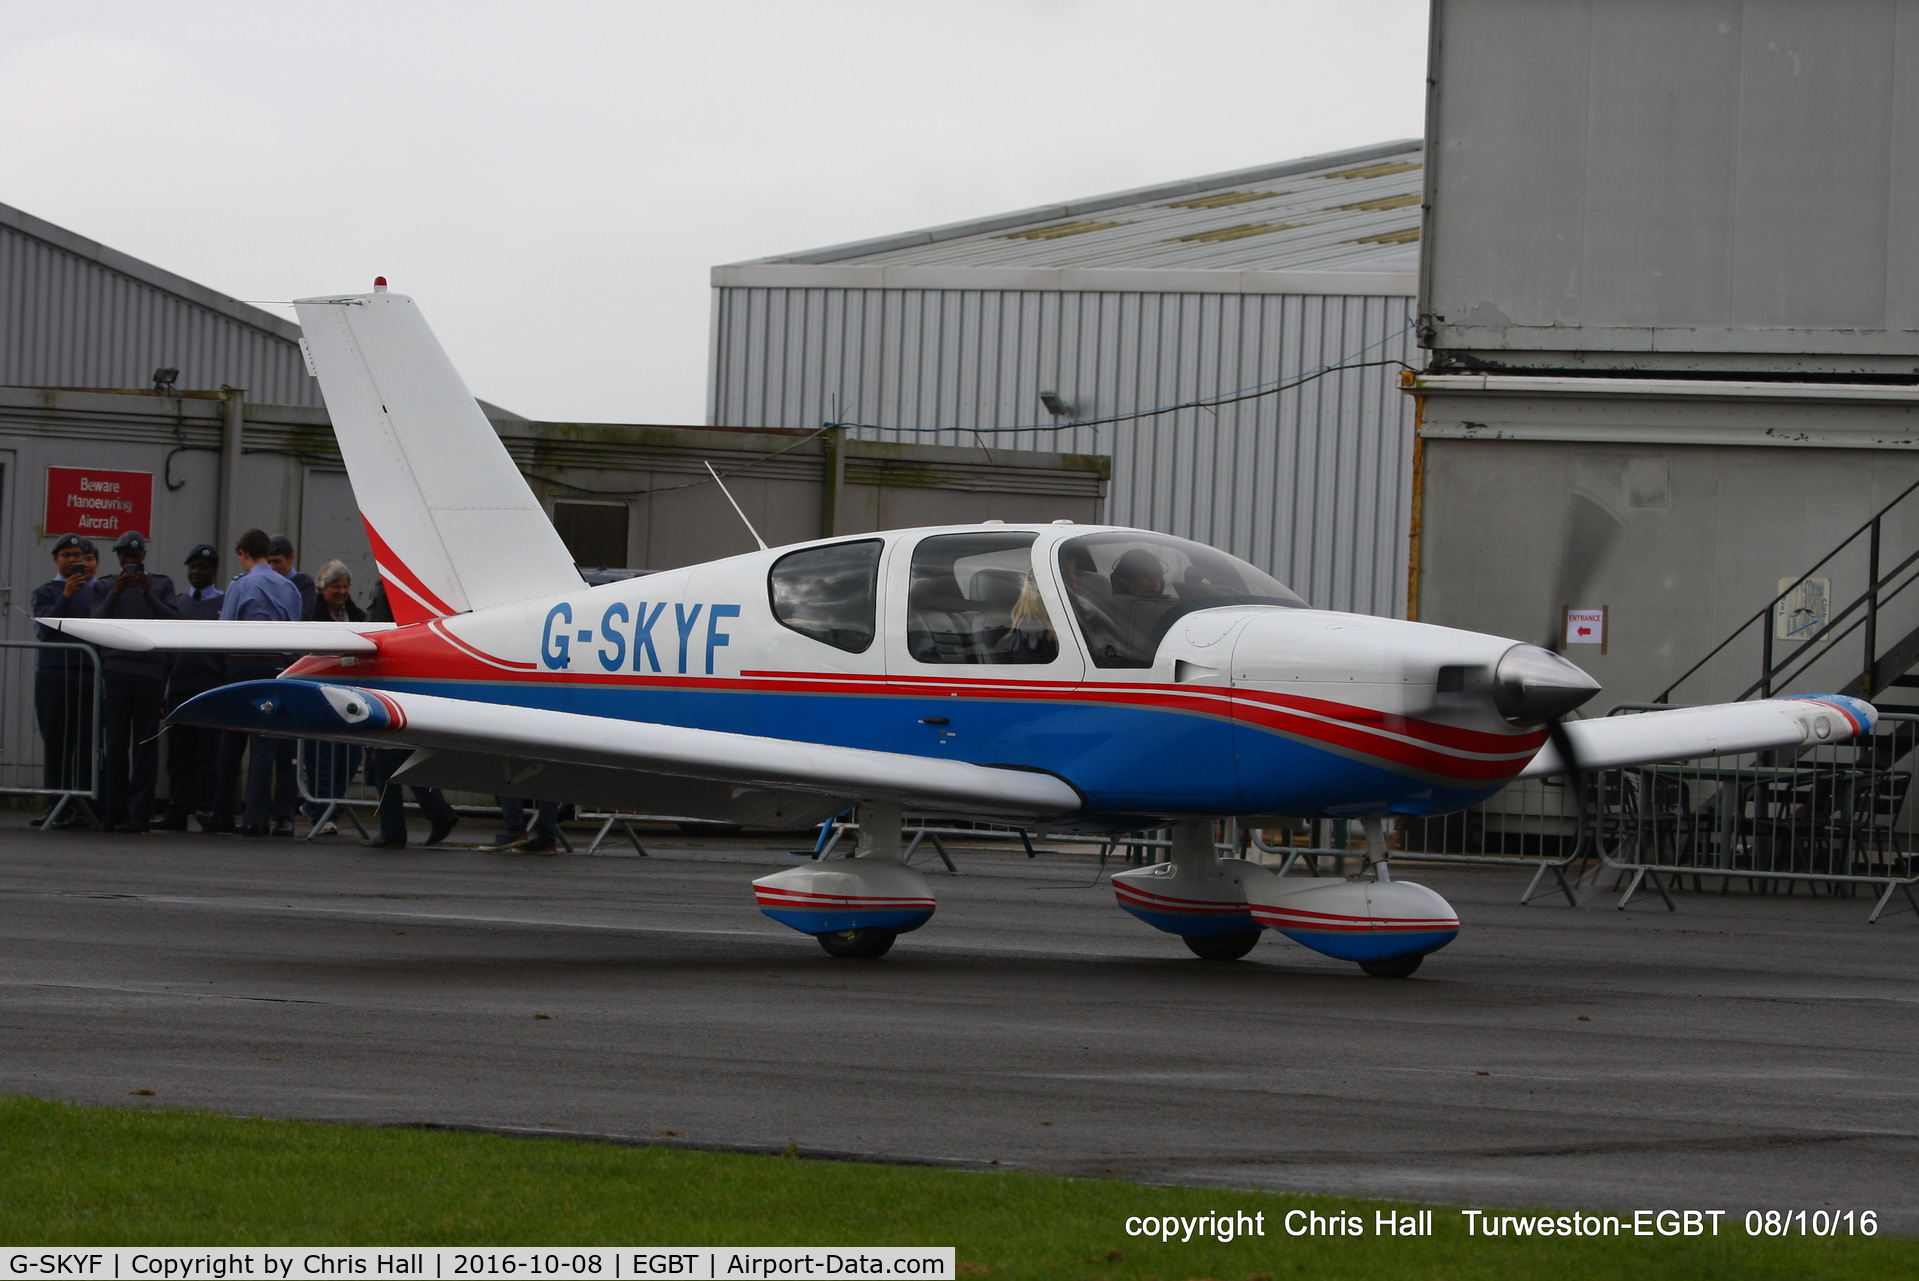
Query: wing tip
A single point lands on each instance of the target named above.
(1860, 714)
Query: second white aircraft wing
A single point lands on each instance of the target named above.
(1722, 729)
(463, 729)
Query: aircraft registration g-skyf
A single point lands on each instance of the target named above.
(1093, 679)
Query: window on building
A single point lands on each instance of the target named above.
(829, 593)
(973, 600)
(595, 533)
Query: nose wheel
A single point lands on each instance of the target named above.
(1399, 967)
(866, 944)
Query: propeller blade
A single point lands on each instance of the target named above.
(1592, 526)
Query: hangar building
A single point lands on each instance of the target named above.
(1671, 291)
(1068, 317)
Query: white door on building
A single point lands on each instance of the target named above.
(330, 529)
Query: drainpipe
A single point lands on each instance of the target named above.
(232, 425)
(835, 482)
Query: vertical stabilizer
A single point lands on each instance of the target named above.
(451, 520)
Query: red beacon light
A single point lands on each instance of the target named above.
(379, 284)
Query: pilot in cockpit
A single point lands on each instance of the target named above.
(1139, 573)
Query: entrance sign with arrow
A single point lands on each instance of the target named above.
(1587, 626)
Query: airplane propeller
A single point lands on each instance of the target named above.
(1592, 525)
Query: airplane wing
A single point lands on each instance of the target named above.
(220, 637)
(690, 773)
(1723, 729)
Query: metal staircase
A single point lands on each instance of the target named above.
(1852, 630)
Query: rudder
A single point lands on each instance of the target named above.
(452, 523)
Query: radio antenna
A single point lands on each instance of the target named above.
(736, 505)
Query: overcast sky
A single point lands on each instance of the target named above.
(554, 181)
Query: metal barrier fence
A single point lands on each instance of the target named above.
(334, 786)
(1831, 815)
(56, 751)
(1837, 816)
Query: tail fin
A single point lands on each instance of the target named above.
(451, 520)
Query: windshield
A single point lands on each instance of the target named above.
(1128, 588)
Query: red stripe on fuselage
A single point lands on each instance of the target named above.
(1466, 757)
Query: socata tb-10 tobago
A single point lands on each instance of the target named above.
(1078, 678)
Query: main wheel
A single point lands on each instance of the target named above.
(865, 944)
(1399, 967)
(1223, 947)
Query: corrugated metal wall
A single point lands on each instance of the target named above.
(67, 321)
(1312, 484)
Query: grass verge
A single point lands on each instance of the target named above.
(111, 1176)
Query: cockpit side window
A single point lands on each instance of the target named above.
(1127, 589)
(972, 599)
(829, 593)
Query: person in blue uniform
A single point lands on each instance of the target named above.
(193, 751)
(133, 687)
(63, 679)
(280, 556)
(257, 594)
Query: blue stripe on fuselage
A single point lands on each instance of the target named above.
(1127, 760)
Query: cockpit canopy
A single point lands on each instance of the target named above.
(973, 597)
(1128, 588)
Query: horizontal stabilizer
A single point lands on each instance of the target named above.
(308, 709)
(209, 636)
(1721, 729)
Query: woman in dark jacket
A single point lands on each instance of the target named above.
(330, 766)
(333, 597)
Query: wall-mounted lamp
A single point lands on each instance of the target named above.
(163, 380)
(1054, 405)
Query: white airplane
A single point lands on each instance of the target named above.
(1059, 676)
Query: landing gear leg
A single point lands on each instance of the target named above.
(1377, 855)
(1378, 858)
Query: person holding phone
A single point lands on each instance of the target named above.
(63, 678)
(133, 687)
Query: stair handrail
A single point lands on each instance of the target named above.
(1768, 668)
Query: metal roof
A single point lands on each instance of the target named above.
(146, 273)
(1347, 213)
(76, 313)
